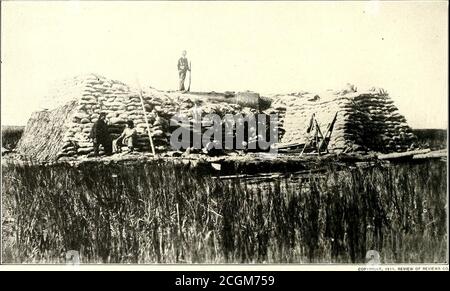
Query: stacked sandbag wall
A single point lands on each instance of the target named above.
(365, 121)
(122, 103)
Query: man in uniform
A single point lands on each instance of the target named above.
(183, 67)
(100, 135)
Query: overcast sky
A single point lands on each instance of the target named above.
(267, 47)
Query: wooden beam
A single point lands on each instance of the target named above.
(402, 155)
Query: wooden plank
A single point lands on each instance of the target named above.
(271, 175)
(288, 145)
(433, 154)
(402, 155)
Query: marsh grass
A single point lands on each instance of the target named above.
(432, 138)
(159, 212)
(11, 136)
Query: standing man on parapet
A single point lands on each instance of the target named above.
(183, 67)
(100, 135)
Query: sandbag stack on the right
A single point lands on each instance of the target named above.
(384, 128)
(365, 120)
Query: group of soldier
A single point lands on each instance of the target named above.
(100, 135)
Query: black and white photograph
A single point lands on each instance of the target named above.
(273, 135)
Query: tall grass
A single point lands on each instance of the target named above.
(161, 212)
(431, 138)
(11, 136)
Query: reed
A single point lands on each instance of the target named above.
(11, 136)
(161, 212)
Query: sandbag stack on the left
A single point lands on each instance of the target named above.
(120, 103)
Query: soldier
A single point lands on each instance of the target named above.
(100, 135)
(183, 67)
(127, 138)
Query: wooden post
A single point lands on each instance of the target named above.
(146, 120)
(190, 75)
